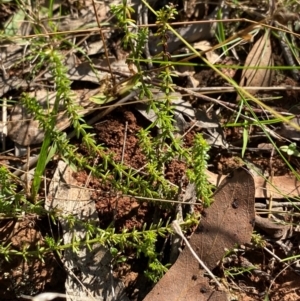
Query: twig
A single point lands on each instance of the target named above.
(208, 90)
(178, 231)
(288, 55)
(229, 106)
(143, 13)
(271, 181)
(51, 296)
(4, 121)
(176, 239)
(104, 44)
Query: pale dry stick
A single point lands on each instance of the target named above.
(280, 260)
(51, 296)
(44, 296)
(111, 108)
(265, 211)
(288, 56)
(4, 121)
(177, 229)
(144, 20)
(213, 90)
(277, 204)
(124, 142)
(112, 282)
(286, 249)
(83, 32)
(199, 95)
(190, 128)
(286, 266)
(271, 181)
(176, 239)
(273, 280)
(32, 162)
(104, 44)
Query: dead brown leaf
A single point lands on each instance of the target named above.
(278, 187)
(259, 56)
(211, 56)
(228, 221)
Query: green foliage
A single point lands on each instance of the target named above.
(10, 200)
(258, 240)
(198, 173)
(159, 150)
(156, 270)
(290, 150)
(235, 271)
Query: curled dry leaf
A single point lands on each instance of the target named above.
(211, 56)
(258, 58)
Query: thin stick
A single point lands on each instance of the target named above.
(178, 231)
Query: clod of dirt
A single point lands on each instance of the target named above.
(228, 221)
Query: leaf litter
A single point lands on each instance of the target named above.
(259, 55)
(226, 223)
(257, 72)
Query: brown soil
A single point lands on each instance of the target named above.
(118, 133)
(20, 277)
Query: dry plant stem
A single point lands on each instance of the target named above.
(143, 13)
(245, 263)
(44, 296)
(4, 122)
(273, 281)
(111, 108)
(176, 239)
(104, 44)
(288, 56)
(229, 106)
(121, 175)
(271, 181)
(278, 204)
(178, 231)
(84, 32)
(32, 161)
(286, 249)
(287, 266)
(124, 142)
(112, 282)
(213, 90)
(226, 105)
(52, 296)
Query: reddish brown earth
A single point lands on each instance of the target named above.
(29, 278)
